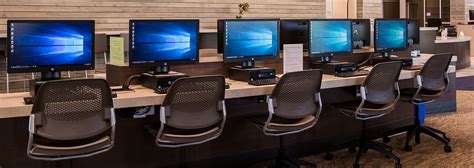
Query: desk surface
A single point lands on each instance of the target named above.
(12, 104)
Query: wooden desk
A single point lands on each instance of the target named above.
(12, 104)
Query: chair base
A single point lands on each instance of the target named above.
(386, 150)
(414, 131)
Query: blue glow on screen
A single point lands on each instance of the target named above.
(154, 41)
(330, 36)
(251, 39)
(390, 34)
(44, 44)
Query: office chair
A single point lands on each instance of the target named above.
(192, 113)
(432, 82)
(71, 119)
(379, 95)
(294, 106)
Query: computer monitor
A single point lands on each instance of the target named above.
(50, 46)
(390, 35)
(434, 22)
(246, 40)
(471, 15)
(329, 37)
(413, 32)
(360, 33)
(220, 36)
(160, 43)
(294, 32)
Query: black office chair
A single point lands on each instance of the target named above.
(379, 95)
(192, 113)
(71, 119)
(432, 82)
(294, 106)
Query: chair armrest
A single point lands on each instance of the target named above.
(107, 113)
(38, 120)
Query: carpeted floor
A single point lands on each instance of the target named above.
(459, 126)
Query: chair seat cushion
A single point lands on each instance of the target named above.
(350, 107)
(49, 151)
(282, 125)
(425, 95)
(183, 136)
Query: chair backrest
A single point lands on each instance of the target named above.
(73, 109)
(296, 94)
(195, 102)
(380, 85)
(380, 91)
(433, 74)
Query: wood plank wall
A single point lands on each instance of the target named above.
(112, 15)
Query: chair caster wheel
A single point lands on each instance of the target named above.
(356, 166)
(398, 165)
(386, 139)
(407, 148)
(328, 156)
(352, 150)
(447, 149)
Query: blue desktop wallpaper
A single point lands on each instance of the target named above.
(330, 36)
(42, 44)
(164, 41)
(251, 38)
(390, 34)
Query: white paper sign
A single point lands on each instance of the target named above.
(292, 57)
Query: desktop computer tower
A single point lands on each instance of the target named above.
(158, 81)
(405, 61)
(251, 74)
(334, 67)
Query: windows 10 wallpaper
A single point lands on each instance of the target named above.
(251, 38)
(330, 36)
(153, 41)
(390, 34)
(43, 44)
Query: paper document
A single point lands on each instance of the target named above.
(292, 57)
(117, 56)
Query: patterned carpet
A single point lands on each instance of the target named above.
(459, 126)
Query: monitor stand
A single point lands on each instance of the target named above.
(35, 84)
(248, 72)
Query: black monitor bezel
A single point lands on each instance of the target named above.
(305, 45)
(376, 50)
(220, 36)
(161, 63)
(331, 54)
(417, 31)
(366, 31)
(49, 68)
(256, 57)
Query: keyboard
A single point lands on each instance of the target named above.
(413, 67)
(259, 82)
(352, 73)
(162, 90)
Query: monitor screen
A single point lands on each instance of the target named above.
(42, 46)
(294, 32)
(390, 34)
(471, 15)
(251, 39)
(330, 37)
(413, 31)
(163, 41)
